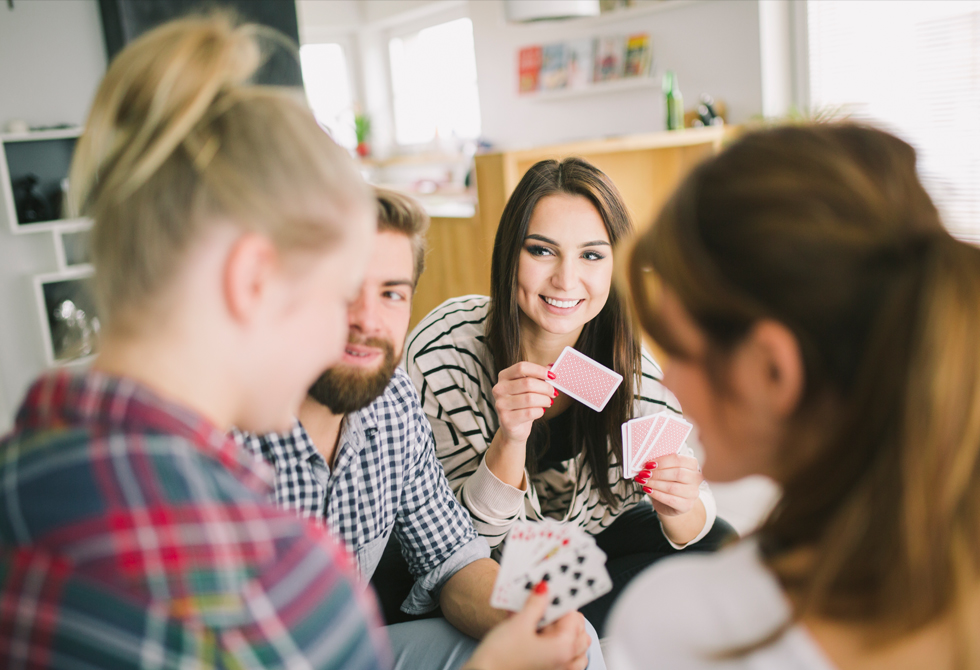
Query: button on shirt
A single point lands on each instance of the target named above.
(135, 534)
(385, 479)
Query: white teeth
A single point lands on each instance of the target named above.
(356, 354)
(561, 303)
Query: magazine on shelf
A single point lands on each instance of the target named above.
(579, 62)
(609, 58)
(638, 56)
(529, 69)
(553, 73)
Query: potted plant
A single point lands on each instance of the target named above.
(362, 130)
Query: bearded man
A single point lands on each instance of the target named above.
(361, 459)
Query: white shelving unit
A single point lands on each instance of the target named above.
(51, 164)
(9, 207)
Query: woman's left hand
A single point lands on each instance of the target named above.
(672, 483)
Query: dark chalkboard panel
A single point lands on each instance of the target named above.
(125, 20)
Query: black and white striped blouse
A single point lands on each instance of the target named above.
(450, 365)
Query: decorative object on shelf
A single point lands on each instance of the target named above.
(674, 101)
(33, 179)
(582, 63)
(30, 203)
(709, 112)
(362, 131)
(69, 323)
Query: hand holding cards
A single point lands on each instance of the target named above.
(650, 437)
(563, 555)
(591, 383)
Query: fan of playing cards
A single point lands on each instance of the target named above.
(563, 555)
(650, 437)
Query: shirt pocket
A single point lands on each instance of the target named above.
(369, 555)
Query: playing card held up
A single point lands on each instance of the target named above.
(589, 382)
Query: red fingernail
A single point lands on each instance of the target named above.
(541, 588)
(551, 402)
(642, 477)
(650, 465)
(551, 375)
(556, 393)
(647, 489)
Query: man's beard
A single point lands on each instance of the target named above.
(343, 389)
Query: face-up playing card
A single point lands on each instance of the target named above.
(666, 441)
(564, 556)
(591, 383)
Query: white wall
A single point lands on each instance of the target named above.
(51, 60)
(712, 45)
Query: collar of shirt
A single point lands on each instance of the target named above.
(64, 399)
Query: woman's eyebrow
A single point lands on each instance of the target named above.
(548, 240)
(541, 238)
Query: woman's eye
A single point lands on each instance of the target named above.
(592, 256)
(536, 250)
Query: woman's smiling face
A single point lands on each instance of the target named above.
(565, 269)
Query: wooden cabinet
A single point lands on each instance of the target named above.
(645, 168)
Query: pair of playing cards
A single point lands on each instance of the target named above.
(591, 383)
(563, 555)
(651, 437)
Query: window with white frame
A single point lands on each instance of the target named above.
(327, 82)
(433, 81)
(912, 68)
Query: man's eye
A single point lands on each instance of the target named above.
(393, 295)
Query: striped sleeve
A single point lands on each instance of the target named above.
(451, 368)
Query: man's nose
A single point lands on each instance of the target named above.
(362, 314)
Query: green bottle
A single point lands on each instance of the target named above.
(675, 102)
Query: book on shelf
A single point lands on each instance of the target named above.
(638, 56)
(529, 69)
(553, 72)
(579, 62)
(609, 58)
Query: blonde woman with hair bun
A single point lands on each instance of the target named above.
(229, 234)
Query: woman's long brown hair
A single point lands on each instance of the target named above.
(608, 338)
(827, 230)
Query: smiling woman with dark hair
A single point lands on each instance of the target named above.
(514, 448)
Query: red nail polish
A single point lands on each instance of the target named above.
(642, 477)
(551, 402)
(541, 588)
(551, 375)
(647, 489)
(650, 465)
(556, 393)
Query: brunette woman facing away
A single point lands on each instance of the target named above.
(229, 234)
(481, 367)
(822, 329)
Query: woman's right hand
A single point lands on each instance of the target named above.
(517, 644)
(522, 394)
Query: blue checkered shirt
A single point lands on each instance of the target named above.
(385, 479)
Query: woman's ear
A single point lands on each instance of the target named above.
(249, 270)
(778, 364)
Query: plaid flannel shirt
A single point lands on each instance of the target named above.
(385, 479)
(133, 533)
